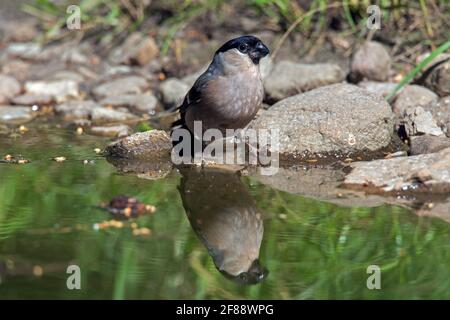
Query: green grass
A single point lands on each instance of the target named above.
(420, 66)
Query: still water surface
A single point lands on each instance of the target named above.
(295, 247)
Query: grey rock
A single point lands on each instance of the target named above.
(107, 115)
(138, 103)
(32, 99)
(22, 30)
(149, 144)
(320, 182)
(428, 144)
(16, 114)
(441, 113)
(120, 86)
(422, 173)
(380, 88)
(25, 50)
(340, 118)
(438, 78)
(118, 131)
(289, 78)
(60, 90)
(90, 110)
(9, 88)
(136, 50)
(173, 91)
(419, 121)
(412, 96)
(16, 68)
(153, 167)
(76, 110)
(371, 61)
(66, 75)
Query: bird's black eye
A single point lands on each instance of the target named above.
(243, 47)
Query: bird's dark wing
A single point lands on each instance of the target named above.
(194, 95)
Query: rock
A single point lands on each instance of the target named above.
(334, 120)
(437, 78)
(125, 85)
(428, 144)
(16, 114)
(380, 88)
(173, 91)
(441, 113)
(9, 88)
(16, 68)
(118, 131)
(32, 99)
(422, 173)
(22, 30)
(108, 115)
(60, 90)
(25, 50)
(152, 167)
(137, 50)
(371, 61)
(76, 110)
(412, 96)
(90, 110)
(75, 56)
(419, 121)
(66, 75)
(320, 182)
(289, 78)
(138, 103)
(149, 144)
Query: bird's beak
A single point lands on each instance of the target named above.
(259, 52)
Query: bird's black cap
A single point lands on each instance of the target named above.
(250, 45)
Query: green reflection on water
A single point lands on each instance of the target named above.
(317, 250)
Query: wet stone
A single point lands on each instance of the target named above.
(149, 144)
(32, 99)
(118, 131)
(60, 90)
(121, 86)
(421, 173)
(371, 61)
(9, 88)
(16, 114)
(173, 91)
(289, 78)
(137, 103)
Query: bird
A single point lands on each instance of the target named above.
(226, 220)
(230, 92)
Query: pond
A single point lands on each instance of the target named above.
(297, 247)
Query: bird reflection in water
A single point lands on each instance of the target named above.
(225, 218)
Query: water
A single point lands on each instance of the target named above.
(309, 249)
